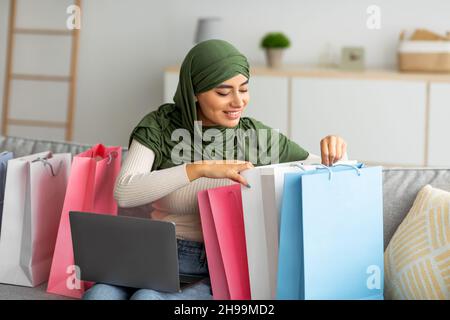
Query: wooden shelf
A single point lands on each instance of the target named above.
(313, 72)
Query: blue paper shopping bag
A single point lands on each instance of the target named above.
(331, 235)
(4, 157)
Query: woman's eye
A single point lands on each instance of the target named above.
(225, 94)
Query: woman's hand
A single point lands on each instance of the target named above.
(332, 149)
(218, 169)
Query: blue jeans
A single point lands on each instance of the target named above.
(191, 260)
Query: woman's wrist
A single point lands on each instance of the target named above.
(194, 171)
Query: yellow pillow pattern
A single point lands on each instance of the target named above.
(417, 259)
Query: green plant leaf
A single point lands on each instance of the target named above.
(275, 40)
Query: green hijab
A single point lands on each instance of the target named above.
(206, 65)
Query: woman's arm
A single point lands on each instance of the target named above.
(137, 184)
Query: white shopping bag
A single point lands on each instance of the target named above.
(34, 197)
(262, 211)
(261, 221)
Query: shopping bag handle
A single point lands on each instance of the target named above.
(112, 155)
(320, 166)
(46, 163)
(298, 166)
(330, 173)
(358, 171)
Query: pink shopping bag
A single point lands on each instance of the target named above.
(90, 188)
(224, 235)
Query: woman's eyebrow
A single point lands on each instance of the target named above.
(230, 87)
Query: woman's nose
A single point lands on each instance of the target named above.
(237, 102)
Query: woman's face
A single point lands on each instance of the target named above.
(224, 104)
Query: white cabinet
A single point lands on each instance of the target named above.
(439, 125)
(387, 117)
(268, 99)
(383, 121)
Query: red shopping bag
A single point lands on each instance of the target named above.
(90, 188)
(224, 235)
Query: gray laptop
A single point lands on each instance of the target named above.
(127, 251)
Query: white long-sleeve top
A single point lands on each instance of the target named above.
(172, 195)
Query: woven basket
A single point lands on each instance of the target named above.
(424, 56)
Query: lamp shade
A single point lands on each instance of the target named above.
(208, 28)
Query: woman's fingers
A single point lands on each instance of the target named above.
(234, 173)
(223, 169)
(324, 151)
(245, 166)
(242, 167)
(235, 176)
(332, 149)
(339, 143)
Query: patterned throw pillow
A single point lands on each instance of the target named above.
(417, 259)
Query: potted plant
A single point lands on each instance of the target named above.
(274, 43)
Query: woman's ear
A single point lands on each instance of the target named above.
(195, 98)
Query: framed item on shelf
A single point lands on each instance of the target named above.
(352, 58)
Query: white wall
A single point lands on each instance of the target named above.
(125, 45)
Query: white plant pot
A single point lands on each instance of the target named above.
(274, 57)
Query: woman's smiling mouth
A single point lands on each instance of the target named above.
(232, 115)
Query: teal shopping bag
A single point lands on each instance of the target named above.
(331, 234)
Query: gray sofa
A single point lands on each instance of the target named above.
(400, 187)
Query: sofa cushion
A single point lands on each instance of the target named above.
(400, 187)
(25, 146)
(417, 259)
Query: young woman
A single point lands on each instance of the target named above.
(213, 89)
